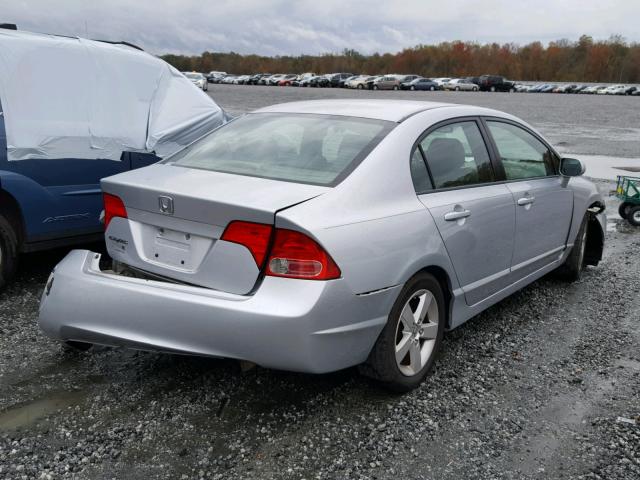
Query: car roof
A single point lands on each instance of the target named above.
(390, 110)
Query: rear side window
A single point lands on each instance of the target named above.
(302, 148)
(419, 173)
(457, 155)
(522, 154)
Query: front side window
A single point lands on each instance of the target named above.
(457, 155)
(302, 148)
(522, 154)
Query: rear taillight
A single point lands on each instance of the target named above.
(254, 236)
(295, 255)
(113, 207)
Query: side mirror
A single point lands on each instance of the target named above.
(571, 167)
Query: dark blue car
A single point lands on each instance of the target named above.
(56, 145)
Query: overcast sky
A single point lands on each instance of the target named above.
(274, 27)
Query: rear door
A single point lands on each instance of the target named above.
(474, 215)
(544, 205)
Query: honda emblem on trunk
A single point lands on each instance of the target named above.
(166, 204)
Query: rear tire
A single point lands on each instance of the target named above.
(493, 89)
(360, 86)
(633, 216)
(623, 209)
(395, 87)
(408, 345)
(375, 87)
(8, 251)
(412, 87)
(432, 88)
(571, 269)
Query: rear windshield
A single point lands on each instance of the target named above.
(301, 148)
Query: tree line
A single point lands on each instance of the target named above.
(585, 60)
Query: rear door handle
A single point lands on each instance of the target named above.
(456, 215)
(526, 201)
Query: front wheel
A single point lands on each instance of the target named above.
(395, 87)
(573, 266)
(409, 342)
(633, 216)
(375, 87)
(8, 251)
(432, 89)
(360, 86)
(474, 89)
(412, 87)
(493, 89)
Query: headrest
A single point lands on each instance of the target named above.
(445, 155)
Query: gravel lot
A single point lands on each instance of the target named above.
(543, 385)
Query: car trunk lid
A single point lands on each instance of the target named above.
(176, 217)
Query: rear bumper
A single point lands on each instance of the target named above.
(287, 324)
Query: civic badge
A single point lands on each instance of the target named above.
(166, 204)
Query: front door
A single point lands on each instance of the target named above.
(544, 204)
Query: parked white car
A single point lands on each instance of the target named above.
(198, 79)
(441, 81)
(458, 84)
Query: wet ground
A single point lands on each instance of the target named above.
(543, 385)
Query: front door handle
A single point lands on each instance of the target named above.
(456, 215)
(526, 201)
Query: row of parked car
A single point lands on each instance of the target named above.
(580, 88)
(487, 83)
(368, 82)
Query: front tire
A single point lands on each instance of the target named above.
(493, 89)
(8, 251)
(573, 266)
(375, 87)
(432, 89)
(407, 346)
(360, 86)
(413, 87)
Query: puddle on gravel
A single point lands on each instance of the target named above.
(29, 413)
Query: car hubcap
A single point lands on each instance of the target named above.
(416, 332)
(636, 216)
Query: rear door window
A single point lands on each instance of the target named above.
(457, 155)
(419, 173)
(522, 155)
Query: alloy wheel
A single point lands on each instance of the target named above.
(416, 332)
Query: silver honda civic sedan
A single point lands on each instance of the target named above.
(320, 235)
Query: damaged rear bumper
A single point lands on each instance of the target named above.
(298, 325)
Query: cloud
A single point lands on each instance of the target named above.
(277, 27)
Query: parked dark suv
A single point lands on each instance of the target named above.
(496, 83)
(335, 79)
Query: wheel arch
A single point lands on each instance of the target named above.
(595, 234)
(444, 280)
(10, 208)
